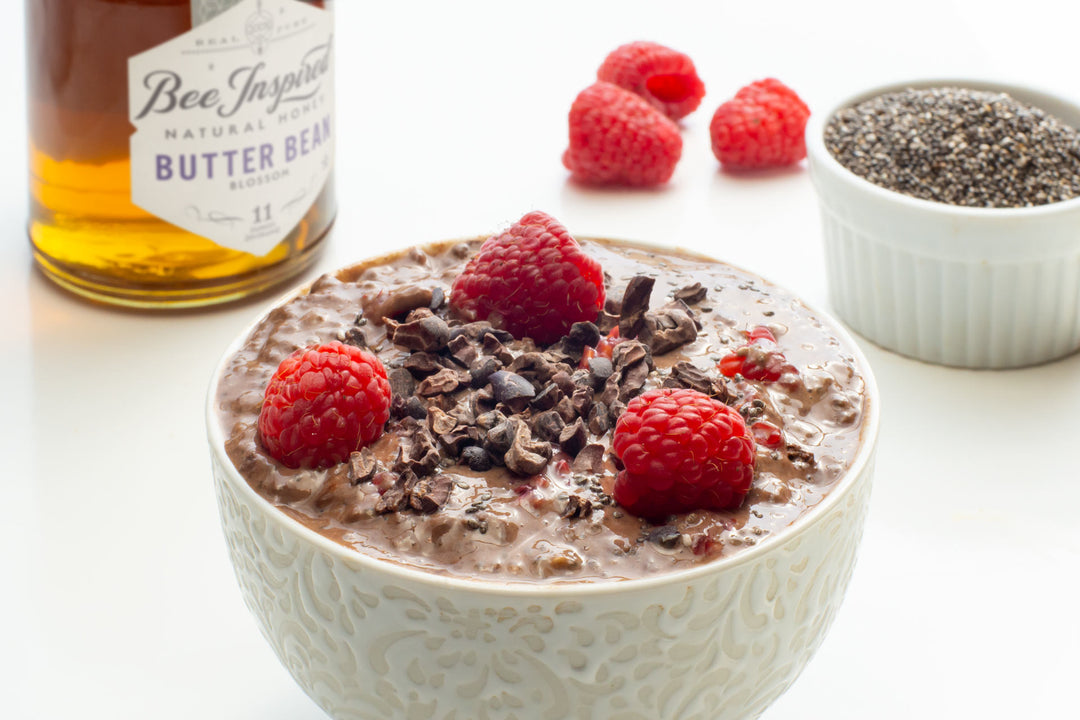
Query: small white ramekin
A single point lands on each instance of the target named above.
(369, 639)
(969, 287)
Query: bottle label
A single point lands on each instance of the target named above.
(234, 135)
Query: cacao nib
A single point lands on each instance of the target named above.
(477, 458)
(668, 328)
(444, 381)
(600, 369)
(481, 372)
(548, 425)
(426, 334)
(362, 466)
(402, 383)
(509, 386)
(526, 456)
(572, 437)
(691, 294)
(422, 364)
(463, 351)
(635, 303)
(590, 461)
(548, 397)
(428, 495)
(395, 302)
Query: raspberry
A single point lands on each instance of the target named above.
(323, 403)
(682, 451)
(618, 138)
(532, 280)
(666, 78)
(759, 359)
(763, 126)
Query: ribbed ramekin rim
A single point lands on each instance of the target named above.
(818, 155)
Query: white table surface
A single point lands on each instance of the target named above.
(116, 597)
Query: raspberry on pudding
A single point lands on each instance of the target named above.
(561, 410)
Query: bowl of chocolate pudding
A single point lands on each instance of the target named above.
(502, 579)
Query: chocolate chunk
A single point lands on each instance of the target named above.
(526, 456)
(463, 351)
(477, 458)
(439, 422)
(509, 386)
(444, 381)
(614, 410)
(668, 328)
(427, 334)
(613, 306)
(635, 303)
(600, 369)
(572, 437)
(548, 397)
(582, 401)
(402, 383)
(395, 302)
(598, 419)
(430, 494)
(687, 375)
(667, 536)
(362, 466)
(480, 372)
(590, 461)
(691, 294)
(548, 425)
(422, 364)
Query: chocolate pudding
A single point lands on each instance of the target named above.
(496, 463)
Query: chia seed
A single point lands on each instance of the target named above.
(959, 147)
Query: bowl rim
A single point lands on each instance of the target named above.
(819, 155)
(570, 589)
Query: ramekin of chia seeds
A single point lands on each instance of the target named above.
(951, 214)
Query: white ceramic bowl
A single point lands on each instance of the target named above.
(372, 640)
(971, 287)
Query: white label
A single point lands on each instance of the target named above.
(234, 135)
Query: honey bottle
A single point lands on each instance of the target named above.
(181, 151)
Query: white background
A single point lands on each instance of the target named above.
(116, 597)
